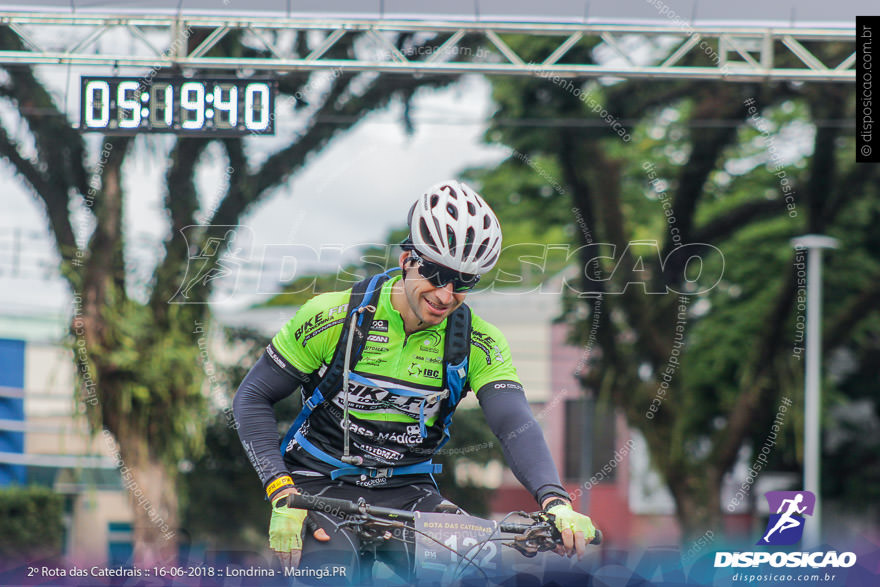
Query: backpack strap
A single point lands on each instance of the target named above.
(364, 296)
(455, 360)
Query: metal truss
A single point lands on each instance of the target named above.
(728, 53)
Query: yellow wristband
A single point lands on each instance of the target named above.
(277, 484)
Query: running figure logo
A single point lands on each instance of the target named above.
(787, 525)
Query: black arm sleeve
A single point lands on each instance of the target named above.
(265, 384)
(525, 450)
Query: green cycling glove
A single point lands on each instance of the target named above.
(566, 518)
(286, 532)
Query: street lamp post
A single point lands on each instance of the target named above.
(813, 243)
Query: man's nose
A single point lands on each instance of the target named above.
(445, 294)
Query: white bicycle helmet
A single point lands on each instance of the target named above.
(455, 227)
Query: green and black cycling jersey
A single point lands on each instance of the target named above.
(384, 426)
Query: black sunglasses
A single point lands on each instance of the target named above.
(439, 276)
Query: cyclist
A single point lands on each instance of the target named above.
(390, 421)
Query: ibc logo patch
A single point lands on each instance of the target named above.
(786, 526)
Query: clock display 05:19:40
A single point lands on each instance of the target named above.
(126, 105)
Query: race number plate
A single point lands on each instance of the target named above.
(442, 540)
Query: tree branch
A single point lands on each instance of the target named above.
(756, 382)
(181, 200)
(861, 305)
(727, 223)
(707, 146)
(105, 269)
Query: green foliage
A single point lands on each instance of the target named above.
(741, 333)
(221, 479)
(31, 524)
(470, 441)
(156, 379)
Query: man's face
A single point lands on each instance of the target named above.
(430, 304)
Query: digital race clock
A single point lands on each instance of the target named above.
(128, 105)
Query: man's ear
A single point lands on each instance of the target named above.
(402, 260)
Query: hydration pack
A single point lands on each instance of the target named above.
(363, 300)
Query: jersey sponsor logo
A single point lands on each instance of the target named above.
(337, 310)
(356, 428)
(365, 398)
(274, 356)
(429, 359)
(378, 452)
(319, 320)
(432, 339)
(484, 342)
(315, 333)
(371, 482)
(374, 349)
(416, 369)
(483, 348)
(379, 325)
(377, 338)
(371, 361)
(405, 439)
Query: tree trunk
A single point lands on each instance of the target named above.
(152, 493)
(697, 505)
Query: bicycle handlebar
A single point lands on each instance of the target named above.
(331, 504)
(344, 506)
(517, 528)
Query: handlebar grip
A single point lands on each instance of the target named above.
(514, 528)
(322, 504)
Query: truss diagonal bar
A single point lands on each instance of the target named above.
(563, 48)
(88, 40)
(683, 50)
(741, 51)
(802, 53)
(502, 46)
(847, 63)
(266, 42)
(326, 45)
(215, 37)
(448, 46)
(165, 40)
(389, 46)
(612, 42)
(25, 38)
(139, 34)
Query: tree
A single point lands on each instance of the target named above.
(694, 166)
(138, 359)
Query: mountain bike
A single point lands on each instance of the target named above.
(449, 546)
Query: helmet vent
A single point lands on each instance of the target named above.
(482, 248)
(426, 236)
(472, 210)
(434, 199)
(468, 242)
(486, 222)
(450, 238)
(452, 211)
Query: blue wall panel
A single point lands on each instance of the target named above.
(12, 375)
